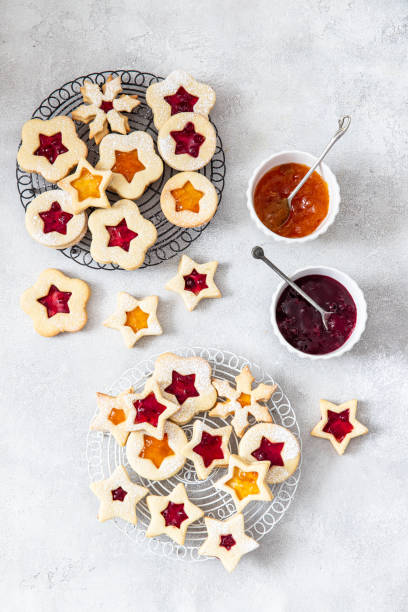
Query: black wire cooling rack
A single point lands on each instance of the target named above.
(171, 239)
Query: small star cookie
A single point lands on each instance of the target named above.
(245, 481)
(112, 415)
(149, 410)
(135, 318)
(339, 424)
(179, 93)
(133, 162)
(104, 107)
(50, 148)
(194, 281)
(87, 187)
(121, 235)
(243, 400)
(188, 199)
(227, 540)
(56, 303)
(208, 448)
(118, 496)
(172, 514)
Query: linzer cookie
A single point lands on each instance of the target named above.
(245, 481)
(135, 318)
(188, 199)
(149, 410)
(208, 448)
(194, 281)
(87, 187)
(339, 424)
(112, 414)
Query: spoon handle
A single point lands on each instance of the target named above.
(344, 124)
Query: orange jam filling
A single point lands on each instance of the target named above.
(243, 483)
(156, 450)
(137, 319)
(244, 399)
(116, 416)
(87, 185)
(187, 198)
(127, 163)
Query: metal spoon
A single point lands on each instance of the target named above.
(281, 215)
(258, 253)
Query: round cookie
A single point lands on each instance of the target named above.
(187, 141)
(188, 199)
(271, 442)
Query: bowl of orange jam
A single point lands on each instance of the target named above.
(314, 207)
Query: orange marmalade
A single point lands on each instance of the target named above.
(309, 206)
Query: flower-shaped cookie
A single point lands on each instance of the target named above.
(243, 400)
(157, 459)
(179, 93)
(188, 199)
(50, 220)
(208, 448)
(87, 187)
(339, 424)
(118, 496)
(149, 410)
(227, 540)
(186, 381)
(133, 162)
(103, 107)
(273, 443)
(135, 318)
(172, 514)
(51, 148)
(194, 281)
(121, 235)
(56, 303)
(112, 415)
(245, 481)
(187, 141)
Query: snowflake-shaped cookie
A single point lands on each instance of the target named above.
(103, 107)
(243, 400)
(208, 448)
(149, 410)
(339, 424)
(135, 318)
(87, 187)
(112, 415)
(194, 281)
(245, 481)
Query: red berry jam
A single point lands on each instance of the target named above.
(181, 102)
(338, 424)
(55, 219)
(120, 235)
(269, 451)
(118, 494)
(182, 386)
(174, 515)
(195, 282)
(55, 301)
(209, 448)
(106, 106)
(50, 146)
(227, 541)
(301, 325)
(148, 410)
(188, 140)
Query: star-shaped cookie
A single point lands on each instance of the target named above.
(172, 514)
(135, 318)
(112, 415)
(245, 481)
(87, 187)
(243, 400)
(149, 410)
(194, 281)
(227, 540)
(339, 424)
(118, 496)
(208, 448)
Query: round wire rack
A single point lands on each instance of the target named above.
(104, 455)
(171, 239)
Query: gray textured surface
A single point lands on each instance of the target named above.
(283, 72)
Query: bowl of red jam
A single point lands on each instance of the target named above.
(314, 207)
(299, 326)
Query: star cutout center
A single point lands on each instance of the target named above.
(269, 451)
(51, 146)
(127, 163)
(120, 235)
(338, 424)
(195, 282)
(87, 185)
(148, 410)
(55, 301)
(174, 514)
(182, 101)
(187, 198)
(182, 386)
(187, 140)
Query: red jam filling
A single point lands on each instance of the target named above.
(209, 448)
(301, 325)
(120, 235)
(227, 541)
(188, 140)
(182, 101)
(338, 424)
(50, 146)
(55, 219)
(182, 386)
(174, 515)
(269, 451)
(106, 106)
(55, 301)
(148, 410)
(195, 282)
(118, 494)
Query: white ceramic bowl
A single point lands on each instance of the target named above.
(355, 293)
(296, 157)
